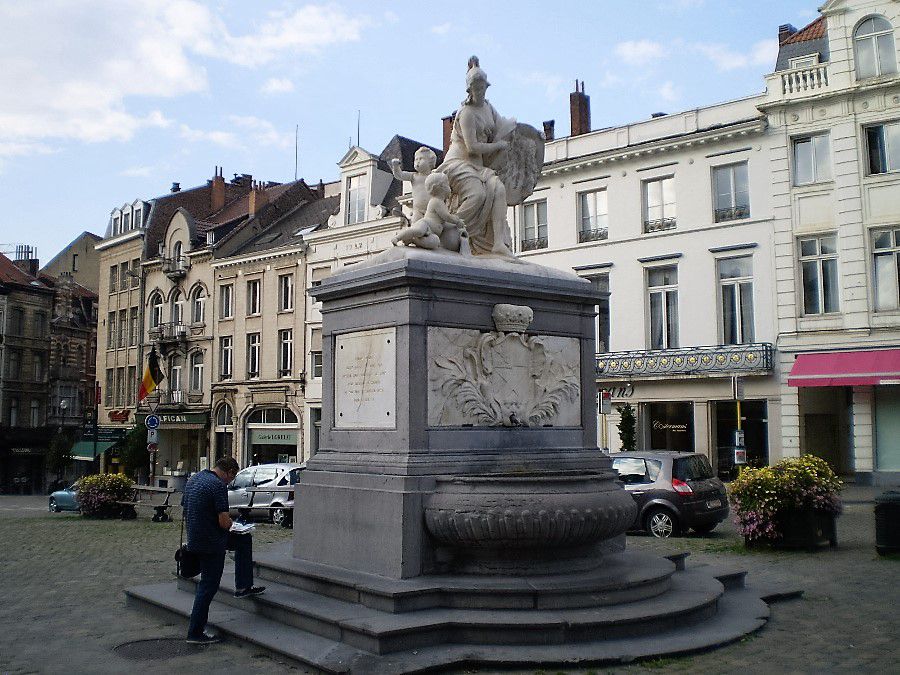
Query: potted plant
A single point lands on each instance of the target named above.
(792, 504)
(99, 494)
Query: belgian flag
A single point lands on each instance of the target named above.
(153, 375)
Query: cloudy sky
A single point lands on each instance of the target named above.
(106, 101)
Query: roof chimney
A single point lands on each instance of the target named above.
(785, 31)
(217, 191)
(549, 130)
(448, 129)
(580, 110)
(320, 188)
(258, 198)
(176, 187)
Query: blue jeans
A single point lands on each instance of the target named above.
(211, 567)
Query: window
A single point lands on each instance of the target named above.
(886, 246)
(601, 325)
(356, 199)
(113, 278)
(116, 229)
(111, 330)
(135, 272)
(177, 257)
(35, 414)
(38, 366)
(123, 328)
(175, 381)
(662, 287)
(317, 275)
(534, 225)
(156, 310)
(315, 352)
(40, 324)
(812, 159)
(818, 263)
(177, 308)
(285, 292)
(124, 274)
(736, 293)
(197, 372)
(138, 222)
(133, 327)
(883, 145)
(226, 301)
(15, 364)
(126, 221)
(120, 387)
(13, 412)
(731, 189)
(272, 416)
(17, 319)
(226, 357)
(594, 212)
(252, 297)
(285, 352)
(197, 302)
(224, 416)
(74, 262)
(110, 387)
(807, 61)
(130, 385)
(873, 44)
(659, 204)
(253, 355)
(315, 362)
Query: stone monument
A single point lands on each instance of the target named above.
(459, 510)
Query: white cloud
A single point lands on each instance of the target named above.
(668, 92)
(262, 132)
(639, 52)
(277, 85)
(553, 85)
(137, 172)
(74, 71)
(224, 138)
(442, 29)
(762, 53)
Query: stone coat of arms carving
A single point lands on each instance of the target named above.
(503, 378)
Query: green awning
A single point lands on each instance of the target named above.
(84, 450)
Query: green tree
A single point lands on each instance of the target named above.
(59, 454)
(627, 426)
(133, 453)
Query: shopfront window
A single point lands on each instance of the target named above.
(273, 434)
(671, 425)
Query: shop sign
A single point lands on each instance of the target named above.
(668, 426)
(104, 434)
(119, 415)
(272, 437)
(624, 391)
(23, 451)
(177, 418)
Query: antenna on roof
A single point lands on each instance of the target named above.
(358, 116)
(296, 149)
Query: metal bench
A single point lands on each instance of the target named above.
(147, 495)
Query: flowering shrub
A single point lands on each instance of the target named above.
(761, 496)
(99, 493)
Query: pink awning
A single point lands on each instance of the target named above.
(846, 369)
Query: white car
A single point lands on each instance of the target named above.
(265, 491)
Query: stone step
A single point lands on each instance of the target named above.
(691, 598)
(730, 576)
(739, 612)
(624, 577)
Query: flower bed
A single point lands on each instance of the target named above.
(792, 503)
(99, 493)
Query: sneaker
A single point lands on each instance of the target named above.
(203, 639)
(247, 592)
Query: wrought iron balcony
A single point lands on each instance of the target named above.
(596, 234)
(659, 225)
(732, 213)
(176, 267)
(715, 361)
(169, 332)
(534, 244)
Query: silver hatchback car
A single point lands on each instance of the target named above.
(275, 501)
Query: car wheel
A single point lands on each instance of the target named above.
(279, 515)
(54, 507)
(661, 523)
(704, 529)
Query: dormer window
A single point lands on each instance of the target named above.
(873, 43)
(116, 224)
(807, 61)
(356, 199)
(137, 219)
(126, 222)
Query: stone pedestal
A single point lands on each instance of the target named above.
(462, 388)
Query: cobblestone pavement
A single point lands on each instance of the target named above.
(63, 608)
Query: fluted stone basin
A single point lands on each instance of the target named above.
(527, 523)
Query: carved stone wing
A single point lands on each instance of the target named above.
(460, 386)
(519, 166)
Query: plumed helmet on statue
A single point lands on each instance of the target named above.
(475, 73)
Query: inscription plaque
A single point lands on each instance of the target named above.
(365, 379)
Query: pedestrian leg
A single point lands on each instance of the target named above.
(210, 576)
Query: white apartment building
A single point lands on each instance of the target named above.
(672, 216)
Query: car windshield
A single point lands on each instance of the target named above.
(242, 480)
(695, 467)
(264, 474)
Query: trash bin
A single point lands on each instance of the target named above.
(887, 523)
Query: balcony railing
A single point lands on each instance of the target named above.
(172, 397)
(659, 225)
(176, 267)
(732, 213)
(715, 361)
(534, 244)
(166, 332)
(801, 81)
(596, 234)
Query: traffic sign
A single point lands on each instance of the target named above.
(152, 421)
(153, 435)
(152, 447)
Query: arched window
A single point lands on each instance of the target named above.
(197, 301)
(177, 258)
(156, 310)
(873, 43)
(177, 308)
(197, 372)
(224, 415)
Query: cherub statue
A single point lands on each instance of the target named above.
(424, 162)
(426, 231)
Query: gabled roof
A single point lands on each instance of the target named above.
(89, 235)
(286, 231)
(12, 276)
(811, 39)
(813, 31)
